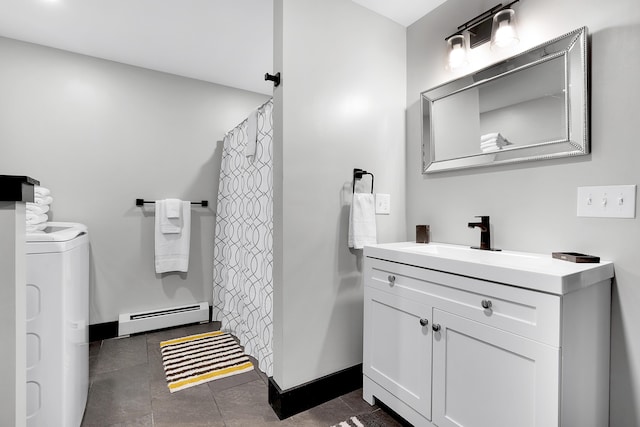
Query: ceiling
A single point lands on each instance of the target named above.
(229, 42)
(404, 12)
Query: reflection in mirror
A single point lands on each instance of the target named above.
(531, 106)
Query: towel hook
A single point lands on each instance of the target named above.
(358, 174)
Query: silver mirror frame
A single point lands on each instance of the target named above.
(573, 47)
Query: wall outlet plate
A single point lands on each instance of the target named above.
(383, 204)
(607, 201)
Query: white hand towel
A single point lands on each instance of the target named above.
(41, 191)
(173, 208)
(166, 224)
(44, 200)
(362, 221)
(172, 250)
(252, 134)
(37, 209)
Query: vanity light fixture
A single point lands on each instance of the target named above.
(497, 24)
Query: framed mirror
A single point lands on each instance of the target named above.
(532, 106)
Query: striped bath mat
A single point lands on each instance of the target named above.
(373, 419)
(196, 359)
(351, 422)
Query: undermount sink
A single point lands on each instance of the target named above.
(535, 271)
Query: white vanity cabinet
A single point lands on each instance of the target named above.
(448, 349)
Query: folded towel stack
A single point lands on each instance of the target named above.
(492, 142)
(37, 211)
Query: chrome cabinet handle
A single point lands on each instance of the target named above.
(436, 327)
(424, 322)
(486, 303)
(392, 279)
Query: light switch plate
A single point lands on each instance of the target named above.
(607, 201)
(383, 204)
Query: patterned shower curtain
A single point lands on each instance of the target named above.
(243, 243)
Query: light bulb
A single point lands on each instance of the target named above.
(456, 57)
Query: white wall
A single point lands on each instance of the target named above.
(528, 122)
(340, 106)
(533, 205)
(13, 311)
(460, 140)
(100, 134)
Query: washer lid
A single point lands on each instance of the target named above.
(58, 232)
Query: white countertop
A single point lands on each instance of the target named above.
(540, 272)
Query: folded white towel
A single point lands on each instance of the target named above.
(33, 218)
(167, 225)
(173, 207)
(36, 227)
(362, 221)
(252, 134)
(37, 209)
(41, 191)
(489, 149)
(491, 139)
(488, 136)
(492, 144)
(44, 200)
(494, 141)
(172, 250)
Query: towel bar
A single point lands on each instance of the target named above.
(358, 174)
(140, 202)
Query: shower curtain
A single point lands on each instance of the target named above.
(243, 243)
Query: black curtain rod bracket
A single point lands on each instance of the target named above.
(358, 174)
(141, 202)
(274, 78)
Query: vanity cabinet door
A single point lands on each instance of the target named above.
(486, 377)
(397, 348)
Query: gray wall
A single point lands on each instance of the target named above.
(340, 106)
(533, 205)
(13, 312)
(100, 134)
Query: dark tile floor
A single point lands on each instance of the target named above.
(128, 388)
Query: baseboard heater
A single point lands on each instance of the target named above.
(132, 323)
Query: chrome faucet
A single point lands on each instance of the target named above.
(485, 233)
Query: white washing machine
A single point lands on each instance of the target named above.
(57, 325)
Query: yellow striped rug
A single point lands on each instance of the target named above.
(196, 359)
